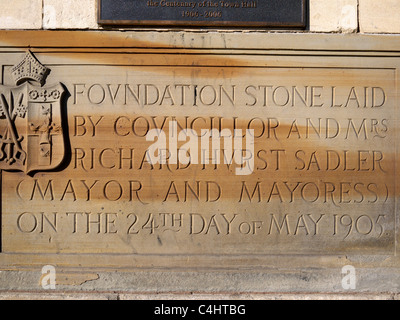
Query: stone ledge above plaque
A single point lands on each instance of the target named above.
(312, 188)
(204, 13)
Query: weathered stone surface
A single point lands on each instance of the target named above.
(311, 282)
(173, 296)
(333, 16)
(21, 14)
(74, 14)
(319, 192)
(379, 16)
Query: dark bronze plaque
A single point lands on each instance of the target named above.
(250, 13)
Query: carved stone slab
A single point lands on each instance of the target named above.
(207, 157)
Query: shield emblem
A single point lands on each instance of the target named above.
(31, 134)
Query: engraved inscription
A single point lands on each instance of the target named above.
(322, 176)
(289, 13)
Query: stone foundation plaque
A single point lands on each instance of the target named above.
(233, 13)
(140, 152)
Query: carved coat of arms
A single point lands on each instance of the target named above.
(31, 134)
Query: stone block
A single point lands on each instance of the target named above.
(333, 16)
(22, 14)
(305, 205)
(380, 16)
(73, 14)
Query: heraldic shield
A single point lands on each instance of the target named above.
(31, 134)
